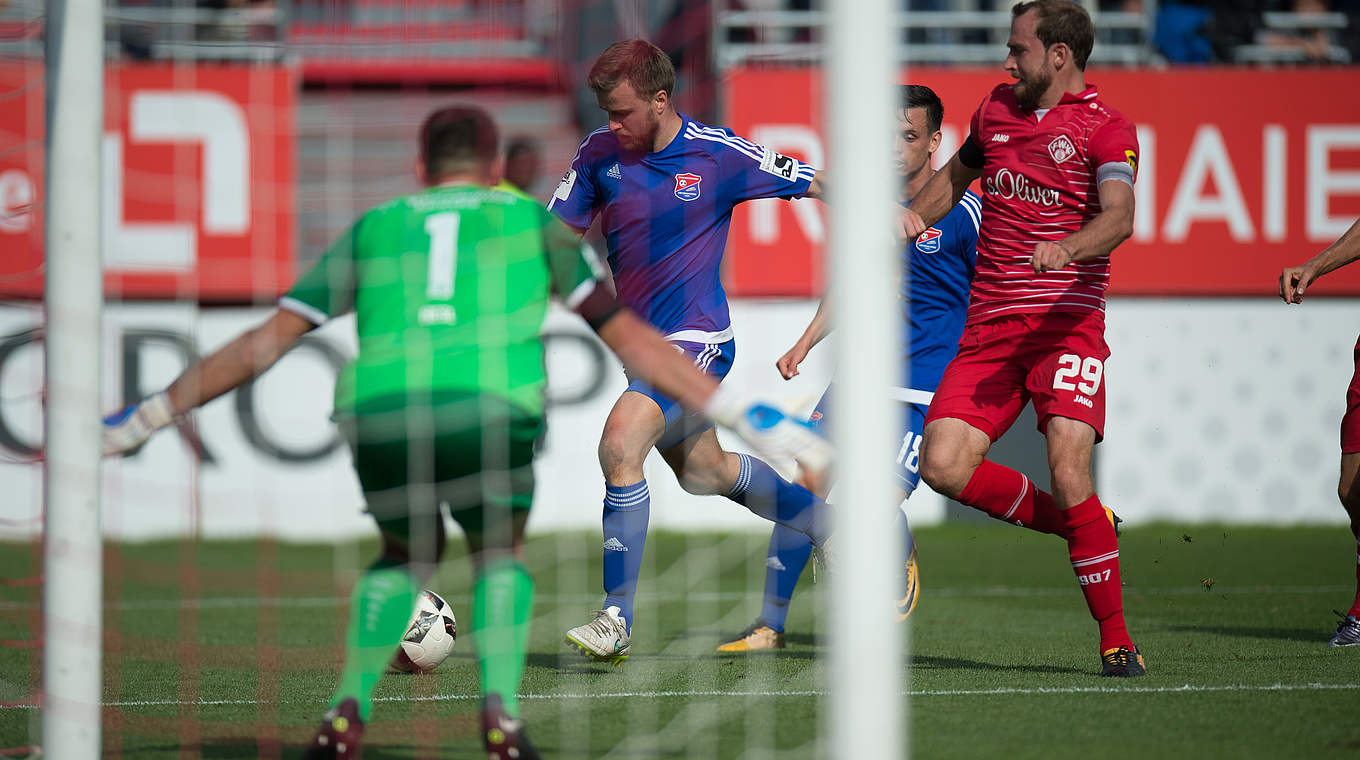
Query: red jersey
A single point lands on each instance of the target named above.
(1039, 183)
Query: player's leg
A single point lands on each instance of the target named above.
(978, 399)
(493, 507)
(633, 427)
(1348, 490)
(788, 554)
(1092, 545)
(382, 599)
(908, 475)
(1347, 631)
(703, 467)
(1068, 389)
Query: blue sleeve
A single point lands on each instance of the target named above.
(753, 171)
(967, 229)
(576, 199)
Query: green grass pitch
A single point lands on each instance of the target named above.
(229, 649)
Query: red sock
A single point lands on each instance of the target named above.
(1094, 550)
(1008, 495)
(1355, 608)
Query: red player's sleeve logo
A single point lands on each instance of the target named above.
(687, 186)
(1061, 148)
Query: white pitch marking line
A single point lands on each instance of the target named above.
(232, 602)
(1031, 691)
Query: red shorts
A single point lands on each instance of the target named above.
(1350, 423)
(1056, 359)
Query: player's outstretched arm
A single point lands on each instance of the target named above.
(1112, 226)
(243, 359)
(817, 329)
(941, 193)
(766, 428)
(1294, 280)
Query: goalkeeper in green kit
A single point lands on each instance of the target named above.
(444, 401)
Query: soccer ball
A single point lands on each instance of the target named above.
(429, 636)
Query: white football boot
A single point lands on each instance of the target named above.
(604, 639)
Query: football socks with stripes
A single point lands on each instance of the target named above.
(760, 489)
(1094, 550)
(626, 512)
(1008, 495)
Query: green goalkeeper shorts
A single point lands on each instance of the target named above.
(473, 452)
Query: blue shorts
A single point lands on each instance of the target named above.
(712, 359)
(907, 462)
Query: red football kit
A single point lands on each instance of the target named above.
(1036, 336)
(1041, 337)
(1350, 423)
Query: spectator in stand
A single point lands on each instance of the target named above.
(1203, 31)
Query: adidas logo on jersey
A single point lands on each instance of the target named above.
(773, 563)
(615, 172)
(614, 545)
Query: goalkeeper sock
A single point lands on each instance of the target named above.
(626, 510)
(760, 489)
(1009, 496)
(380, 608)
(789, 553)
(1094, 550)
(502, 600)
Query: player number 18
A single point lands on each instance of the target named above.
(1070, 366)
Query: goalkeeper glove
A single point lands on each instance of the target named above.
(128, 429)
(775, 436)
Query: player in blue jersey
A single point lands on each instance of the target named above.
(663, 187)
(937, 269)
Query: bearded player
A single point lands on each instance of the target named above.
(1293, 282)
(1057, 167)
(662, 187)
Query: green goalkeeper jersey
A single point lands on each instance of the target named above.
(450, 286)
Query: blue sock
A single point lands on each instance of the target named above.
(789, 553)
(760, 489)
(626, 509)
(901, 528)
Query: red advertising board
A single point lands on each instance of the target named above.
(1242, 172)
(197, 183)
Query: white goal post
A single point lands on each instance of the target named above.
(73, 299)
(867, 716)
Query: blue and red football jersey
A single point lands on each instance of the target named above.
(665, 216)
(937, 273)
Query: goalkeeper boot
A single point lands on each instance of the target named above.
(759, 636)
(503, 736)
(604, 639)
(1347, 632)
(911, 589)
(1122, 662)
(338, 735)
